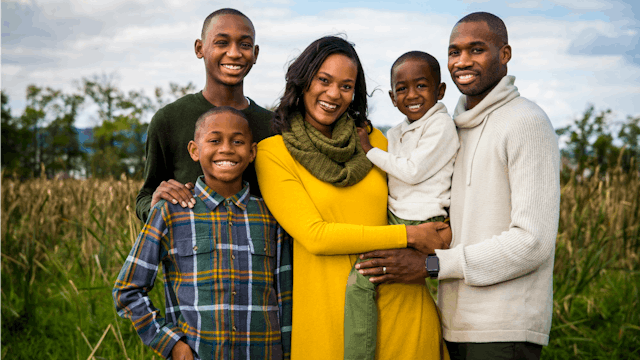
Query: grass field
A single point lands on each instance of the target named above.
(64, 241)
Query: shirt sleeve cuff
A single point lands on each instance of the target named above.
(451, 263)
(375, 155)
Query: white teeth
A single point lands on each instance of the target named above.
(225, 163)
(327, 105)
(414, 107)
(233, 67)
(465, 77)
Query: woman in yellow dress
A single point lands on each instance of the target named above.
(319, 185)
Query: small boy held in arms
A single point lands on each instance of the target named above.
(227, 47)
(419, 165)
(226, 262)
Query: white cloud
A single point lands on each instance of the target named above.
(147, 53)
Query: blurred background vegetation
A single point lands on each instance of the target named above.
(68, 222)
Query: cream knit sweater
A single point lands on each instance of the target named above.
(496, 280)
(419, 164)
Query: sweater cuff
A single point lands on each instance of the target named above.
(375, 156)
(451, 263)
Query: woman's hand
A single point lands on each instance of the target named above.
(429, 236)
(394, 266)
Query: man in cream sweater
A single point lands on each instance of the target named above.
(496, 280)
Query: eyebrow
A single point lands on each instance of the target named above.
(471, 44)
(243, 37)
(331, 76)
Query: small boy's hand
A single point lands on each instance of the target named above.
(175, 193)
(181, 351)
(429, 236)
(364, 139)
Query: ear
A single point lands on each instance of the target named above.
(256, 50)
(505, 54)
(441, 90)
(193, 150)
(197, 47)
(393, 98)
(253, 152)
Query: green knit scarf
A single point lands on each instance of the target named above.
(339, 161)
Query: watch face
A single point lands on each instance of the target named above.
(433, 264)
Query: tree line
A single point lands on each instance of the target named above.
(44, 141)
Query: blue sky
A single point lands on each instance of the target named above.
(566, 53)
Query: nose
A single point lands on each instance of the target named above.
(464, 60)
(226, 147)
(412, 94)
(333, 91)
(234, 51)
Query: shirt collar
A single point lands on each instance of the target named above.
(212, 199)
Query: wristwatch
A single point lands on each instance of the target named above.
(432, 263)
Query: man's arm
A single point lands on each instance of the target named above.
(530, 154)
(136, 279)
(158, 174)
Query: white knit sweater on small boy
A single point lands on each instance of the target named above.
(419, 163)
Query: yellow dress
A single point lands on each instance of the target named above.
(328, 223)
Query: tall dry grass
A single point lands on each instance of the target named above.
(64, 241)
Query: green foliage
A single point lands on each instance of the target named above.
(43, 141)
(64, 241)
(591, 142)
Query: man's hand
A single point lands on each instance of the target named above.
(175, 193)
(402, 266)
(429, 236)
(181, 351)
(364, 139)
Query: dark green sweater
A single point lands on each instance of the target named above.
(170, 131)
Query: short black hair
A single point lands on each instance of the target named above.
(219, 110)
(422, 56)
(495, 24)
(224, 11)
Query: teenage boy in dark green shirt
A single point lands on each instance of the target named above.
(228, 48)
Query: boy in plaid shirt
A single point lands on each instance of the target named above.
(226, 262)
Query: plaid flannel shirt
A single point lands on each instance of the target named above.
(227, 276)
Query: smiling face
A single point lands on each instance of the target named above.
(224, 147)
(414, 88)
(228, 49)
(477, 60)
(330, 92)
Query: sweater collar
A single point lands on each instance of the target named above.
(408, 126)
(212, 199)
(504, 92)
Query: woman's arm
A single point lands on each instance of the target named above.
(289, 202)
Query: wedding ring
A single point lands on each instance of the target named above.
(384, 270)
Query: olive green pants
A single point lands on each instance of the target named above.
(360, 311)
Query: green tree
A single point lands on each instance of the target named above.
(15, 141)
(62, 148)
(33, 122)
(582, 134)
(118, 142)
(630, 136)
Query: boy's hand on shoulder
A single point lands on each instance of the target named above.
(175, 193)
(181, 351)
(364, 139)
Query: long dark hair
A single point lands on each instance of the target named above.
(304, 68)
